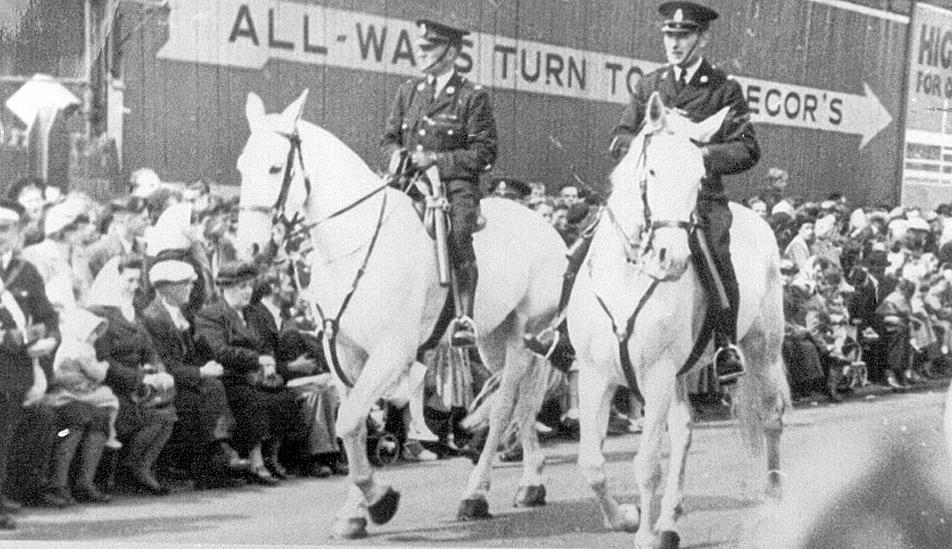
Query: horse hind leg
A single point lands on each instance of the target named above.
(595, 394)
(762, 400)
(474, 505)
(532, 392)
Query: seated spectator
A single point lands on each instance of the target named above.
(569, 195)
(895, 312)
(800, 248)
(545, 209)
(124, 224)
(265, 412)
(22, 380)
(301, 363)
(200, 400)
(66, 278)
(146, 392)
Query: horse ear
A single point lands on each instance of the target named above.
(703, 131)
(293, 112)
(254, 111)
(656, 111)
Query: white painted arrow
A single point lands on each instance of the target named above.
(816, 109)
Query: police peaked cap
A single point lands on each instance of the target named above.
(521, 187)
(685, 17)
(438, 33)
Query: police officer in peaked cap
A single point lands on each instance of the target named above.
(691, 83)
(442, 119)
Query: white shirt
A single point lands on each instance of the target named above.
(176, 313)
(441, 81)
(689, 70)
(274, 310)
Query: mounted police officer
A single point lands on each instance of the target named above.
(444, 120)
(691, 84)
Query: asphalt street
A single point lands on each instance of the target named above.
(873, 469)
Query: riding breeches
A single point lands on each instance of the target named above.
(719, 280)
(463, 197)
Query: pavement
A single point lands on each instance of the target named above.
(872, 470)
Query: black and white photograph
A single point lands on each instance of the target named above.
(487, 273)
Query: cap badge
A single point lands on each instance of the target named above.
(450, 90)
(678, 15)
(423, 29)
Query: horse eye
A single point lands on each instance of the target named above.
(651, 173)
(275, 169)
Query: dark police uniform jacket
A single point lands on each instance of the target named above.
(732, 149)
(458, 124)
(26, 285)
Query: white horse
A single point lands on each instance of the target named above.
(664, 173)
(397, 301)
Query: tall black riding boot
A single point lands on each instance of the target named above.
(90, 454)
(56, 493)
(553, 342)
(464, 328)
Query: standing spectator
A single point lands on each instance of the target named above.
(264, 415)
(773, 192)
(202, 429)
(22, 381)
(30, 193)
(546, 210)
(137, 376)
(568, 195)
(896, 312)
(144, 182)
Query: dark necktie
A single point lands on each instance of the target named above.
(682, 80)
(430, 91)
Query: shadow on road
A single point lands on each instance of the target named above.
(86, 528)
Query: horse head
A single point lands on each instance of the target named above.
(284, 164)
(655, 187)
(270, 181)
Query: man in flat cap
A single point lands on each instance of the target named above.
(510, 187)
(690, 83)
(443, 120)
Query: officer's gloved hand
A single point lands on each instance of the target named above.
(618, 148)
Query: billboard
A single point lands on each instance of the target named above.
(823, 79)
(927, 151)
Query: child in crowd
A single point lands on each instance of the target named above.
(77, 375)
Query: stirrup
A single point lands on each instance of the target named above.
(537, 344)
(463, 332)
(729, 377)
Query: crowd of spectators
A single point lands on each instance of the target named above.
(138, 353)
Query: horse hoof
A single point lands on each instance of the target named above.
(473, 509)
(384, 508)
(628, 519)
(774, 490)
(351, 528)
(669, 540)
(530, 496)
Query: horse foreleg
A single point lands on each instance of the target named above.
(595, 393)
(381, 371)
(531, 492)
(680, 425)
(658, 390)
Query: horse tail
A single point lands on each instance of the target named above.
(763, 395)
(477, 416)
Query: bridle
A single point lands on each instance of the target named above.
(650, 225)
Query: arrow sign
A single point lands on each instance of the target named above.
(816, 109)
(250, 33)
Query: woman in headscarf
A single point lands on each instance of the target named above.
(136, 375)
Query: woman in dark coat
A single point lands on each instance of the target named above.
(263, 416)
(136, 375)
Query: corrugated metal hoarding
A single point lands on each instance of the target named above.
(824, 78)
